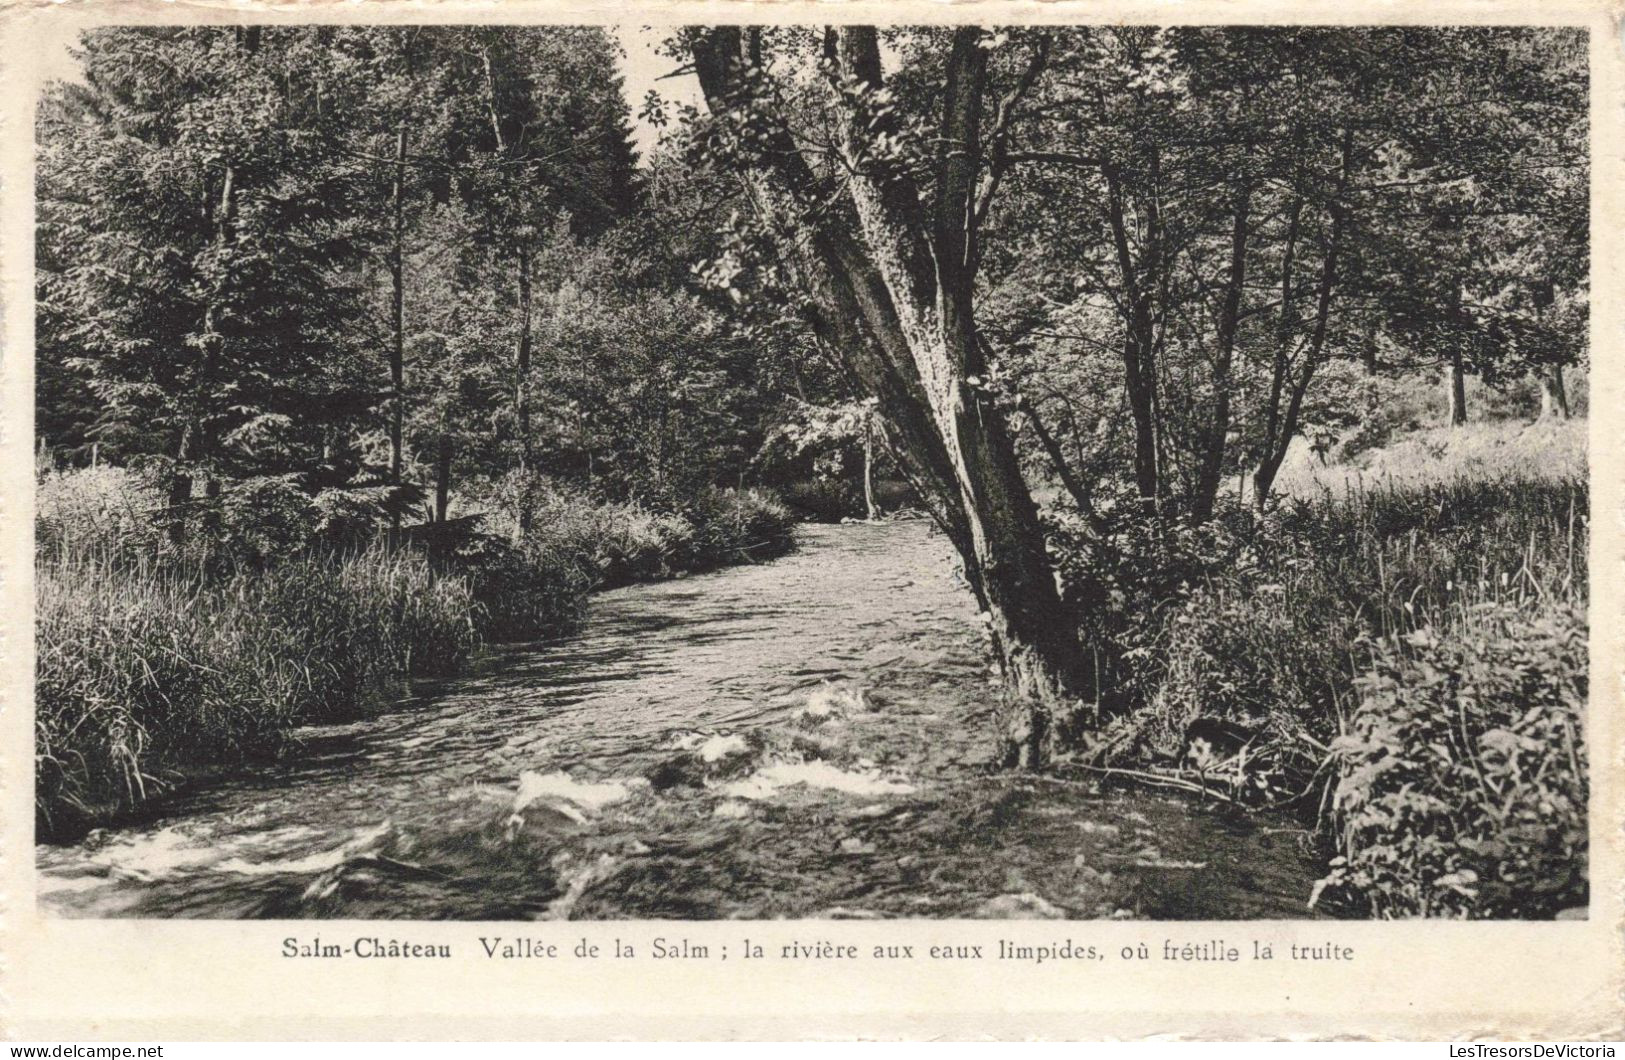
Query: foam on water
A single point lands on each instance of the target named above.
(559, 787)
(767, 781)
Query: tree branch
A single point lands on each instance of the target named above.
(998, 137)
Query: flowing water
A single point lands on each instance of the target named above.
(804, 738)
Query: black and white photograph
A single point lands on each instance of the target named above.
(802, 472)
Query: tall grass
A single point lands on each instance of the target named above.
(1496, 449)
(146, 672)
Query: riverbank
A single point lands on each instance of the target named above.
(807, 738)
(1395, 652)
(156, 665)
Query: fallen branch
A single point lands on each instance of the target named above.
(1162, 780)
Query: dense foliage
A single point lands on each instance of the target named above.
(1464, 771)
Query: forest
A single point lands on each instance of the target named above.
(1241, 371)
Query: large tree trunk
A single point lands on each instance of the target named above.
(906, 278)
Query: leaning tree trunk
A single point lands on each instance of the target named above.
(1075, 486)
(895, 275)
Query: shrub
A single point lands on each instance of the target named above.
(825, 500)
(619, 542)
(1463, 780)
(735, 525)
(637, 545)
(264, 520)
(522, 592)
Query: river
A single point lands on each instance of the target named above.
(803, 738)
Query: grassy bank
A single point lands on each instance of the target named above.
(156, 663)
(145, 672)
(1396, 651)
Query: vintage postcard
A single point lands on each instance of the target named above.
(723, 520)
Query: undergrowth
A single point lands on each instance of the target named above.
(1400, 660)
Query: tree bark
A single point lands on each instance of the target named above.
(1554, 397)
(1210, 474)
(906, 268)
(397, 345)
(1456, 389)
(491, 100)
(1139, 366)
(442, 478)
(1286, 330)
(871, 512)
